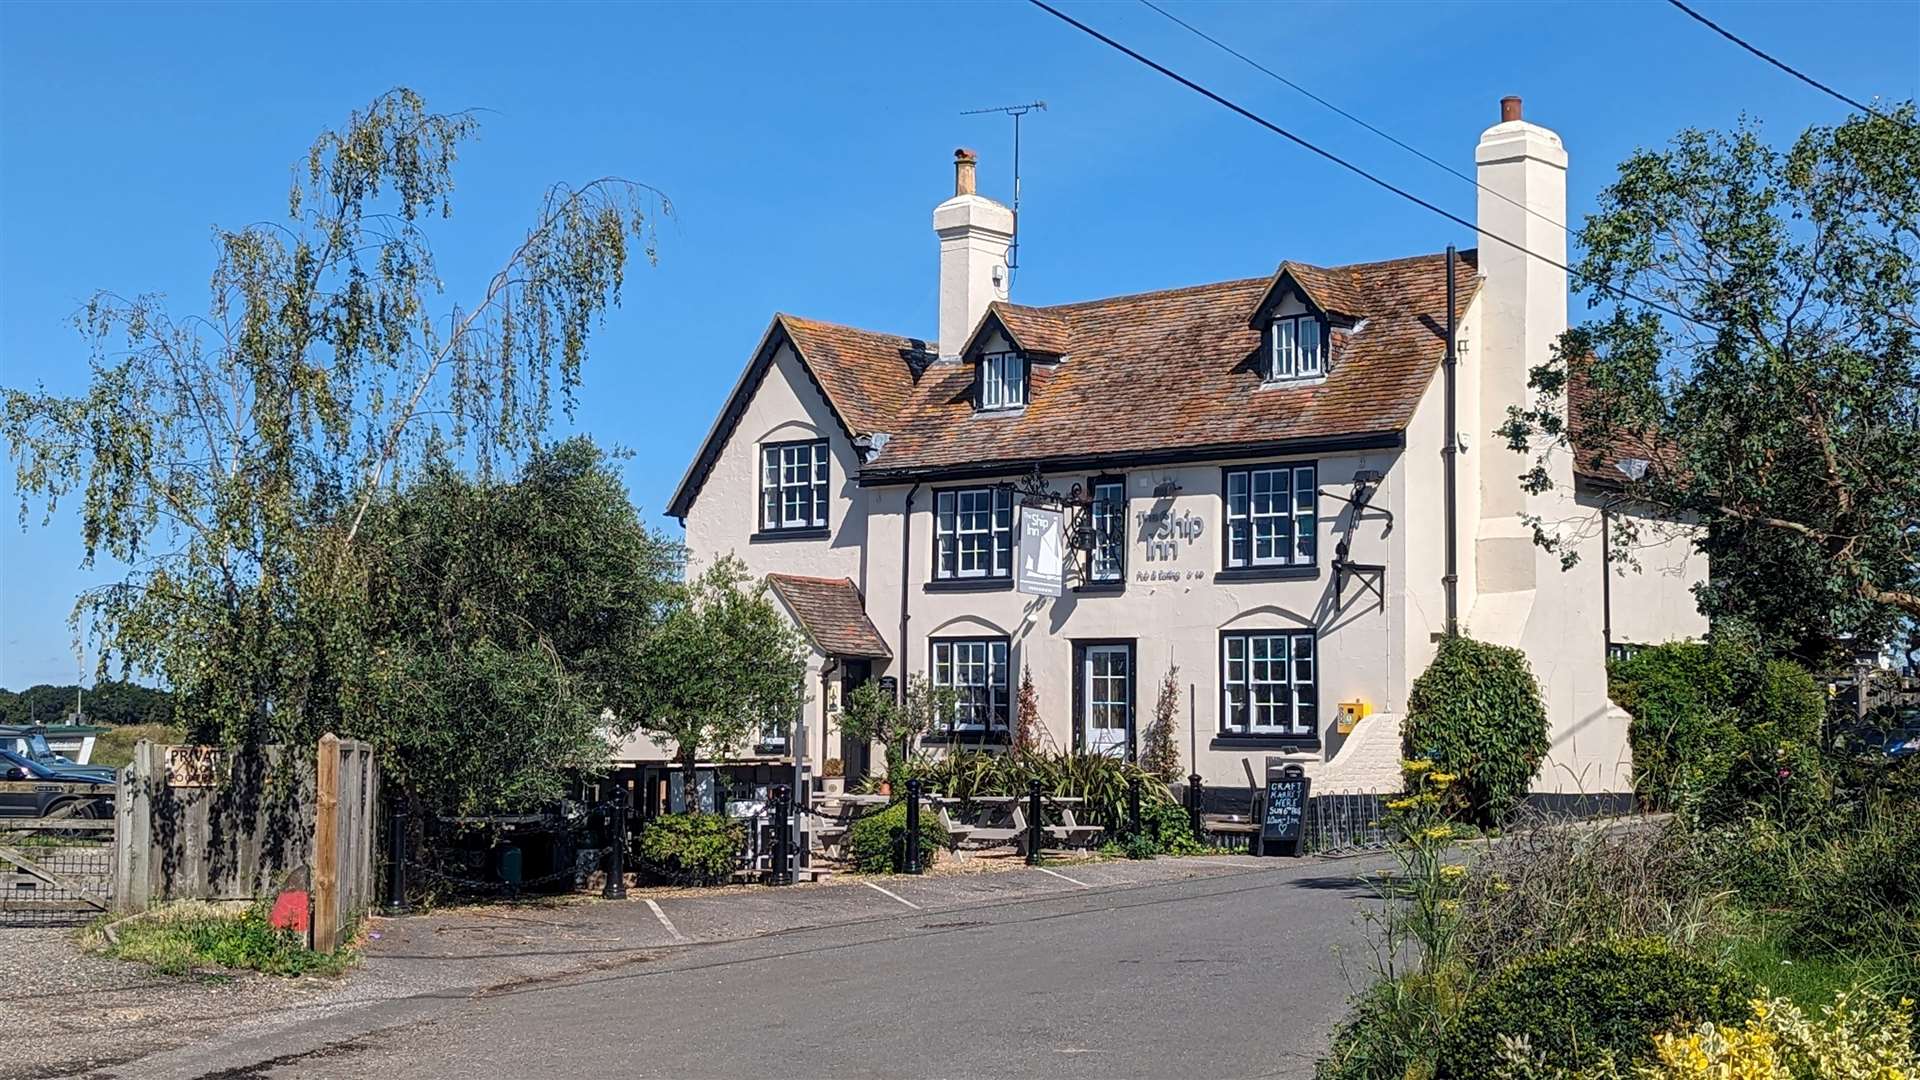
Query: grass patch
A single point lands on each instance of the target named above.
(193, 938)
(114, 747)
(1764, 954)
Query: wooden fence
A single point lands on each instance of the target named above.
(212, 823)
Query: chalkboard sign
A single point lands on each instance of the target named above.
(1284, 817)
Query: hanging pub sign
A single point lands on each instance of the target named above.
(1283, 818)
(1043, 542)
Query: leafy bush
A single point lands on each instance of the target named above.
(1547, 885)
(1476, 713)
(1856, 1038)
(871, 842)
(193, 936)
(1721, 733)
(691, 849)
(1164, 830)
(1389, 1033)
(1576, 1006)
(114, 747)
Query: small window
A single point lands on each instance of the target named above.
(1108, 517)
(793, 485)
(973, 533)
(1271, 516)
(976, 670)
(1295, 348)
(1269, 685)
(1003, 380)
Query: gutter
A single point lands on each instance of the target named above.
(1450, 455)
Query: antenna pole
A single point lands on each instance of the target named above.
(1015, 111)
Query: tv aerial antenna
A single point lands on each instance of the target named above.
(1015, 111)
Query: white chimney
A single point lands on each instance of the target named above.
(1523, 299)
(974, 233)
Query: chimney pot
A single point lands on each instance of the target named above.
(1509, 108)
(963, 162)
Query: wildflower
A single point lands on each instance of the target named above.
(1442, 779)
(1416, 767)
(1437, 832)
(1402, 804)
(1452, 872)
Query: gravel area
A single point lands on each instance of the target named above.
(67, 1012)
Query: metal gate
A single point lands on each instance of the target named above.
(59, 868)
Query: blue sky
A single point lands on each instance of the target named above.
(805, 147)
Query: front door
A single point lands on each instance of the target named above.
(854, 753)
(1106, 699)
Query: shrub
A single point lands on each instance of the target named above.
(1856, 1038)
(1164, 830)
(1859, 891)
(691, 849)
(1578, 1005)
(1547, 885)
(871, 842)
(1389, 1033)
(1680, 696)
(1099, 781)
(1476, 713)
(1160, 746)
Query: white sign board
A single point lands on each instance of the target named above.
(1043, 544)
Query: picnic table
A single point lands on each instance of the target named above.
(1005, 820)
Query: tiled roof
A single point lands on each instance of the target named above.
(831, 613)
(1163, 371)
(867, 376)
(1597, 453)
(1034, 330)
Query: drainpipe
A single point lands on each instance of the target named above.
(1450, 454)
(906, 573)
(1606, 580)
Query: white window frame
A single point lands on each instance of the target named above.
(1003, 380)
(1288, 354)
(794, 478)
(1272, 515)
(973, 533)
(1269, 684)
(977, 670)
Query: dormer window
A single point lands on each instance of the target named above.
(1296, 348)
(1003, 380)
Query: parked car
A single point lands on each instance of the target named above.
(30, 741)
(30, 789)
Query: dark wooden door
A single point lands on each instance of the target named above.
(855, 754)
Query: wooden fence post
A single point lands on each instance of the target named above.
(326, 846)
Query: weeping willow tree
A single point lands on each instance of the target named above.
(230, 459)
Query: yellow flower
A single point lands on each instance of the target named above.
(1452, 873)
(1442, 779)
(1416, 766)
(1402, 804)
(1437, 832)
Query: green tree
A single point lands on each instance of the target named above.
(506, 626)
(723, 666)
(108, 701)
(231, 460)
(1785, 420)
(872, 714)
(1476, 713)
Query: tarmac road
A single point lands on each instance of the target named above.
(1225, 968)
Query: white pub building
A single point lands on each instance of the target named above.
(1284, 484)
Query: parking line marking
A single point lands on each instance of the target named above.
(1063, 877)
(664, 921)
(891, 895)
(1217, 862)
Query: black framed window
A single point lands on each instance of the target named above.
(1296, 347)
(976, 670)
(793, 485)
(1107, 515)
(973, 533)
(1271, 515)
(1003, 380)
(1269, 684)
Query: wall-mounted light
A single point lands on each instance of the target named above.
(1166, 489)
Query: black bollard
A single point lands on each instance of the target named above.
(1193, 807)
(397, 856)
(1133, 804)
(781, 854)
(913, 827)
(616, 888)
(1035, 826)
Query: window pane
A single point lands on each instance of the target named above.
(1309, 346)
(1283, 349)
(1016, 380)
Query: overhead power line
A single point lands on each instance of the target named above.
(1782, 65)
(1344, 163)
(1282, 79)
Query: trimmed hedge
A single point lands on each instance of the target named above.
(1476, 712)
(871, 847)
(691, 849)
(1577, 1005)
